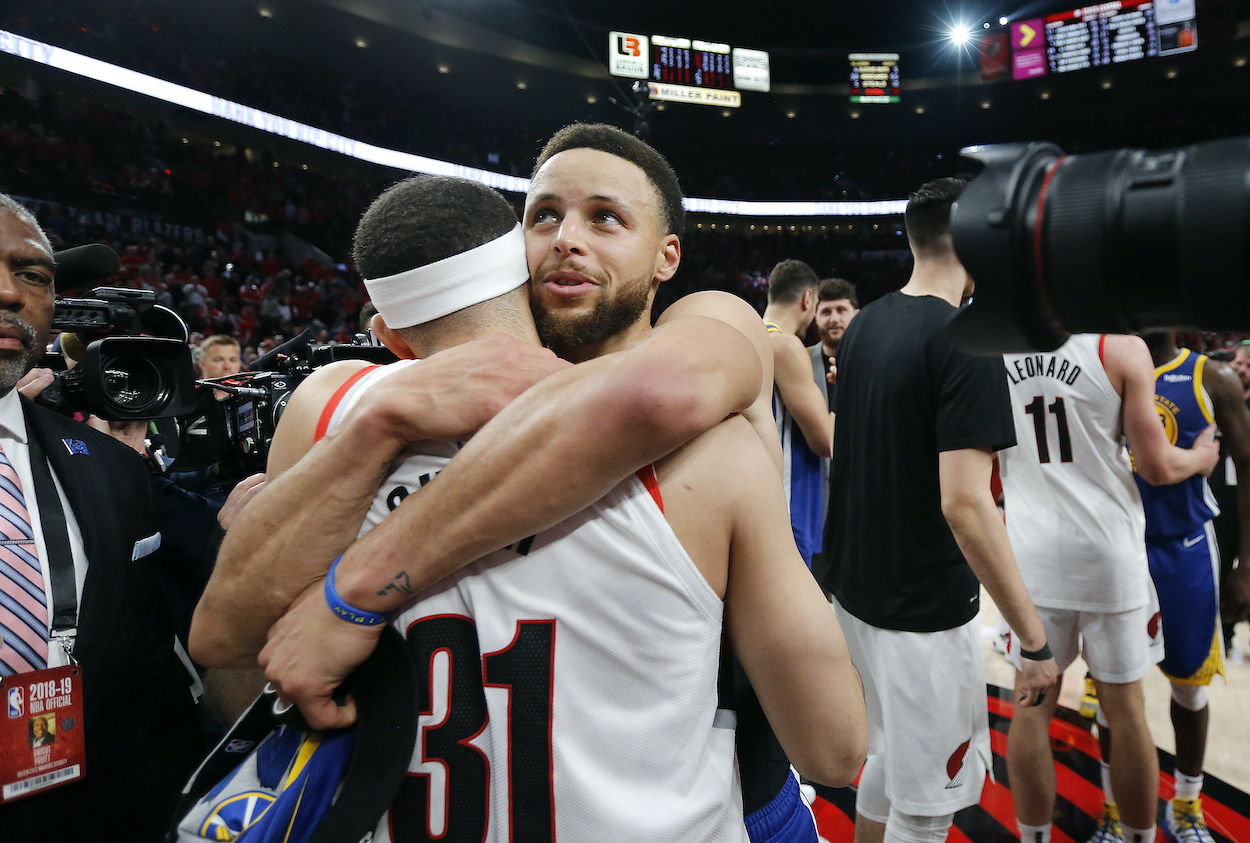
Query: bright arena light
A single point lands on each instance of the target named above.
(1002, 21)
(960, 34)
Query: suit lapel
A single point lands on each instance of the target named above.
(83, 478)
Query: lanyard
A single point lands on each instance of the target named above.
(56, 542)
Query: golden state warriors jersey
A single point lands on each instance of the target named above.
(1185, 410)
(568, 681)
(1074, 516)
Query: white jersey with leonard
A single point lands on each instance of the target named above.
(572, 679)
(1074, 515)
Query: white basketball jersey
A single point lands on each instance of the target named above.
(569, 682)
(1074, 515)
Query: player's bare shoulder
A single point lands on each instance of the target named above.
(297, 429)
(705, 485)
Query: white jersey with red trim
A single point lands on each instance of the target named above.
(569, 681)
(1074, 515)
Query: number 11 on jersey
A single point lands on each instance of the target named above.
(1037, 409)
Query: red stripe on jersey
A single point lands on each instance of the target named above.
(647, 475)
(323, 423)
(1101, 340)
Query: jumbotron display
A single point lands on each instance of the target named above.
(1107, 33)
(874, 77)
(687, 70)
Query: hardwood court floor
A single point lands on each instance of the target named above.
(1225, 798)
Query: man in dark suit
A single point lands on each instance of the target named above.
(124, 643)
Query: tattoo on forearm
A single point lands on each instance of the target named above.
(401, 584)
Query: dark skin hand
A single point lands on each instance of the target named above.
(1233, 419)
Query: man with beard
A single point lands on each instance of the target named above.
(597, 234)
(838, 305)
(75, 503)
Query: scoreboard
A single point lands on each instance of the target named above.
(685, 62)
(1103, 34)
(688, 70)
(874, 77)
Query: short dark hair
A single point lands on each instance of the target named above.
(789, 279)
(425, 219)
(616, 142)
(834, 289)
(928, 215)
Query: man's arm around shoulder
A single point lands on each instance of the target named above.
(311, 507)
(554, 450)
(307, 505)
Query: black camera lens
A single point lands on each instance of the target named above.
(1118, 241)
(133, 383)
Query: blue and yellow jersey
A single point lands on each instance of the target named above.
(1185, 410)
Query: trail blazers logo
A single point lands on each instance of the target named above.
(956, 770)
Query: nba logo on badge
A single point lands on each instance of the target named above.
(17, 705)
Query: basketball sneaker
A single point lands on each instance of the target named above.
(1108, 830)
(1185, 823)
(1089, 702)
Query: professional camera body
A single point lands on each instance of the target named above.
(235, 432)
(121, 375)
(1121, 242)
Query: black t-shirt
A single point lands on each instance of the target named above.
(905, 395)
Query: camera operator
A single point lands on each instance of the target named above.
(82, 581)
(218, 356)
(191, 507)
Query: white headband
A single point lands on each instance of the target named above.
(426, 293)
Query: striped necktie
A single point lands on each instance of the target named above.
(23, 601)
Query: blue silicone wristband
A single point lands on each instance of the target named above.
(344, 610)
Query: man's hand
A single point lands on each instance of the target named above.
(1209, 448)
(239, 497)
(473, 382)
(1235, 597)
(131, 433)
(34, 382)
(1035, 679)
(309, 654)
